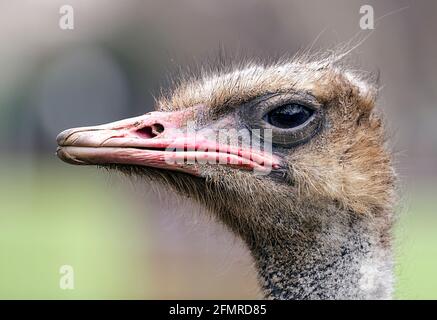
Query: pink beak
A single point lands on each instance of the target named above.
(157, 140)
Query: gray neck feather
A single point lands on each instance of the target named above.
(339, 260)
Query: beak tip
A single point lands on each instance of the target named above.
(61, 138)
(64, 154)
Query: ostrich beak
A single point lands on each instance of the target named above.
(156, 139)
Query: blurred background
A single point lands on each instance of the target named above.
(124, 241)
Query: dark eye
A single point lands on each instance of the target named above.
(286, 119)
(289, 116)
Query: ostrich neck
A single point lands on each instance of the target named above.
(339, 260)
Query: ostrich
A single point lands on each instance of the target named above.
(314, 203)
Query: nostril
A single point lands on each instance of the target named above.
(152, 131)
(157, 128)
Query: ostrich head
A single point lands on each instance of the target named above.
(290, 156)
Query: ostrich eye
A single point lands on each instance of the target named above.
(288, 116)
(286, 119)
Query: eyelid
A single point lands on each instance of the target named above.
(256, 110)
(277, 100)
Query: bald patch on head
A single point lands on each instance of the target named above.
(234, 86)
